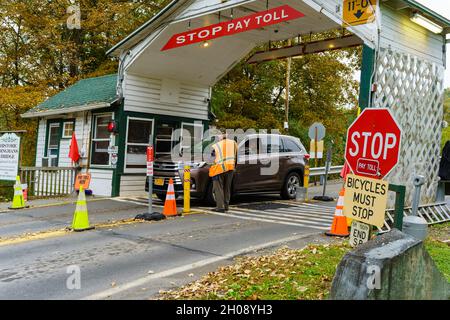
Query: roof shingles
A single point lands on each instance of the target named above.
(82, 93)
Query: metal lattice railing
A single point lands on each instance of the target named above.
(413, 89)
(432, 213)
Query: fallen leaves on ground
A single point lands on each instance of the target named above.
(286, 274)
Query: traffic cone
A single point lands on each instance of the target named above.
(18, 200)
(339, 226)
(170, 205)
(80, 217)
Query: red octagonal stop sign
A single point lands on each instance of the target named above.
(373, 143)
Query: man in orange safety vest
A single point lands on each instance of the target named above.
(224, 153)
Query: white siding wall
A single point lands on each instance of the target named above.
(166, 97)
(132, 185)
(101, 182)
(40, 144)
(399, 33)
(82, 134)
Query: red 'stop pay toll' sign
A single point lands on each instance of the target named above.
(226, 28)
(373, 143)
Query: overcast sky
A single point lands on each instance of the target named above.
(443, 8)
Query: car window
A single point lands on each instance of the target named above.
(290, 146)
(271, 144)
(251, 146)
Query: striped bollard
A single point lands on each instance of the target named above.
(187, 189)
(306, 181)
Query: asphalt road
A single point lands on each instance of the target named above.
(135, 261)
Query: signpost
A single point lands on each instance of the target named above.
(356, 12)
(83, 180)
(365, 199)
(372, 151)
(316, 133)
(359, 233)
(373, 143)
(323, 197)
(9, 156)
(150, 215)
(150, 156)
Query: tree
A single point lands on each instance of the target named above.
(38, 47)
(322, 88)
(13, 102)
(40, 55)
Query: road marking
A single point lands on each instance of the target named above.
(274, 218)
(142, 281)
(318, 217)
(293, 214)
(136, 201)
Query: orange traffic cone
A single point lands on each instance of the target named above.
(170, 205)
(339, 227)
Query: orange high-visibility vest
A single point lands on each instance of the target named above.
(225, 160)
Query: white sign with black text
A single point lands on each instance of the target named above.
(9, 156)
(359, 233)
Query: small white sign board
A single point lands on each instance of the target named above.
(9, 156)
(359, 233)
(149, 168)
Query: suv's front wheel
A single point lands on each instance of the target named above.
(288, 190)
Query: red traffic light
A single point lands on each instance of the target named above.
(112, 127)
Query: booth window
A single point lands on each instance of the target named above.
(68, 128)
(53, 140)
(100, 139)
(138, 138)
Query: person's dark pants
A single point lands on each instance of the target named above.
(222, 189)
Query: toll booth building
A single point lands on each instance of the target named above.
(169, 64)
(116, 161)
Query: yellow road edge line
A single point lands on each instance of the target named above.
(47, 234)
(51, 205)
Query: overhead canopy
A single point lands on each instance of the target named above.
(196, 63)
(205, 65)
(86, 94)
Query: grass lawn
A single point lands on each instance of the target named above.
(286, 274)
(440, 251)
(291, 273)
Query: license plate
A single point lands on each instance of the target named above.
(159, 181)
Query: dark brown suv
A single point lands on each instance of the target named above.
(266, 164)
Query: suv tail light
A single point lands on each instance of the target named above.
(307, 156)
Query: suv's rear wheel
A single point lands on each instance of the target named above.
(288, 190)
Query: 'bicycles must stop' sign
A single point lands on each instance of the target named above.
(373, 143)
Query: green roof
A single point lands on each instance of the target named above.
(81, 94)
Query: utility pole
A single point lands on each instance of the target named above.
(288, 80)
